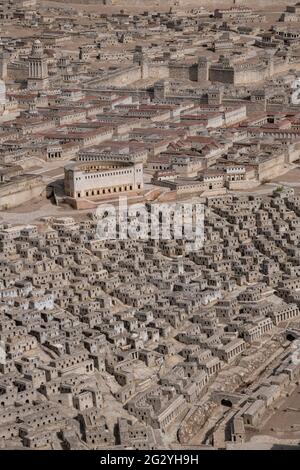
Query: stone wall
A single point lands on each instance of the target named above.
(120, 78)
(184, 72)
(235, 185)
(251, 75)
(252, 107)
(221, 74)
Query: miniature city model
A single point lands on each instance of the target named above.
(149, 342)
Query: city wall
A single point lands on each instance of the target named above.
(158, 71)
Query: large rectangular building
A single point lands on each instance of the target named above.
(98, 178)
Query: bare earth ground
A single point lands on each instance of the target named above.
(281, 431)
(285, 423)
